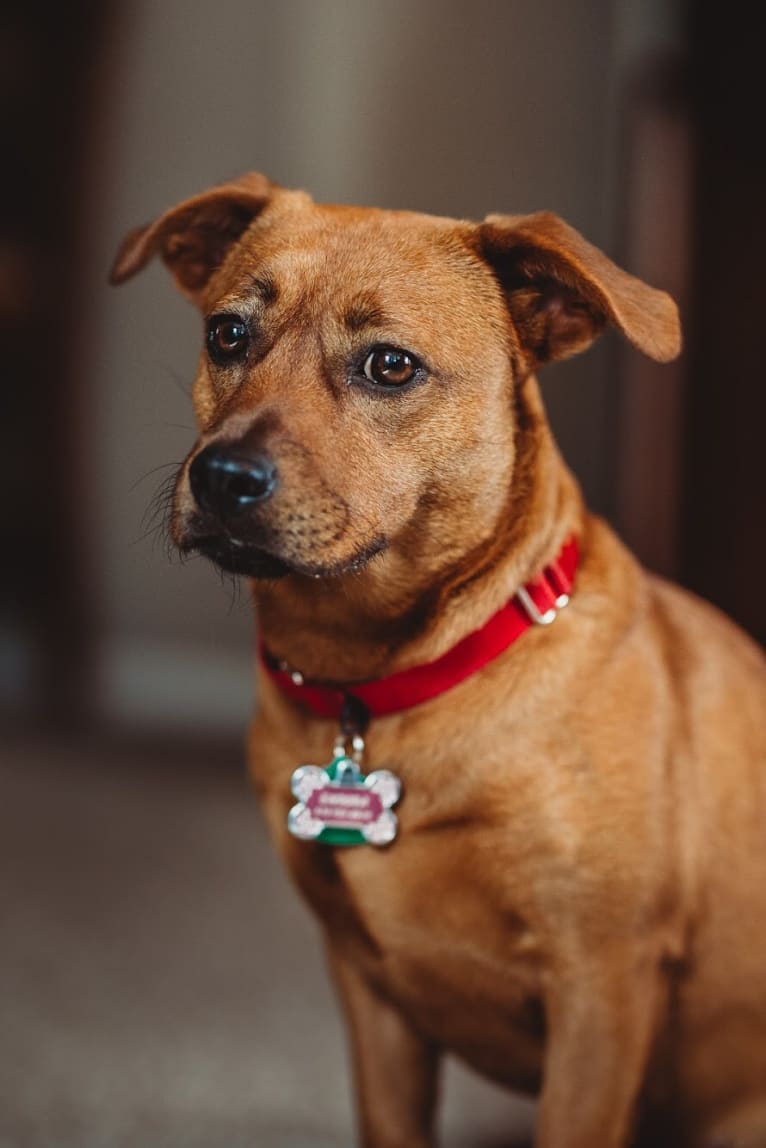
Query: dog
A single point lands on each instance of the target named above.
(520, 780)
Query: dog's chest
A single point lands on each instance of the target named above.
(431, 923)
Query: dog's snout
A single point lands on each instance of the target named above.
(226, 482)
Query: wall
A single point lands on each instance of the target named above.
(448, 107)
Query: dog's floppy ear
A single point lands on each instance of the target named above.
(193, 237)
(561, 291)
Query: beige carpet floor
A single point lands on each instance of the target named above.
(161, 986)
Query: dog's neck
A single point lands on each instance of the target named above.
(405, 608)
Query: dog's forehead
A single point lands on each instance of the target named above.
(338, 254)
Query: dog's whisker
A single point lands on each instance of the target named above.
(155, 520)
(150, 473)
(181, 384)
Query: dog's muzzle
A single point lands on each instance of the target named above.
(229, 484)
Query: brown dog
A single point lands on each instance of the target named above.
(575, 903)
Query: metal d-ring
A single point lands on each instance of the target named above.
(532, 612)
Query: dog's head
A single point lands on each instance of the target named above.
(361, 370)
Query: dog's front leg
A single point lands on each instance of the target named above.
(395, 1069)
(601, 1017)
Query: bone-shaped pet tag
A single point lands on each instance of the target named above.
(339, 805)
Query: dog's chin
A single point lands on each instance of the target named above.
(236, 557)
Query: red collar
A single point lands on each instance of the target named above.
(536, 603)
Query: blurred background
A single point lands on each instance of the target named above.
(159, 982)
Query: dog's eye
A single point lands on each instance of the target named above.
(390, 367)
(227, 338)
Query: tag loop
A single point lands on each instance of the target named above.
(341, 746)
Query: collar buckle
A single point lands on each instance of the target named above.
(552, 586)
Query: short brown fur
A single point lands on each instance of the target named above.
(576, 903)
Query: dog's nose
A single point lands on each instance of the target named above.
(226, 482)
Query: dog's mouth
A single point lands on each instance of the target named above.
(240, 558)
(247, 560)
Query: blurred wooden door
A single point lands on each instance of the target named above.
(52, 85)
(690, 469)
(724, 518)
